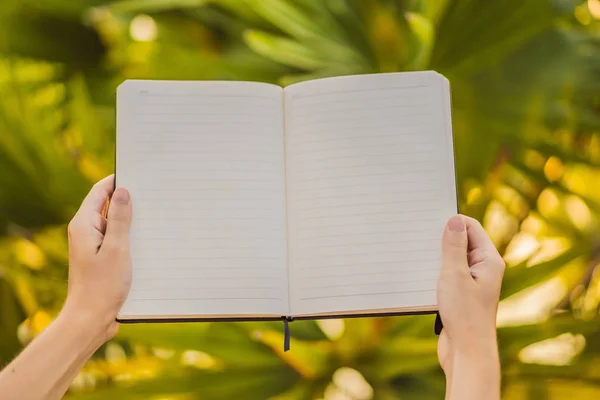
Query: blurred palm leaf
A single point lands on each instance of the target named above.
(10, 318)
(525, 87)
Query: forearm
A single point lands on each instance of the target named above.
(474, 376)
(46, 368)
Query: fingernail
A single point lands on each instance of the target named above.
(121, 196)
(456, 224)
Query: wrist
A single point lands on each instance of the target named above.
(474, 376)
(478, 353)
(485, 362)
(96, 326)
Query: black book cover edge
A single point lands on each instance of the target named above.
(289, 318)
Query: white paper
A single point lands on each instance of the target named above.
(370, 179)
(204, 163)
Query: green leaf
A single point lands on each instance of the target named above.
(251, 384)
(476, 34)
(403, 356)
(229, 342)
(285, 51)
(434, 10)
(422, 386)
(423, 34)
(523, 276)
(25, 33)
(302, 329)
(288, 17)
(34, 161)
(150, 6)
(11, 316)
(549, 372)
(513, 339)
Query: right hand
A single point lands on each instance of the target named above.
(99, 259)
(468, 293)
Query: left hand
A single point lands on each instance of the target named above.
(99, 258)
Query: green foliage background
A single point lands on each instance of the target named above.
(525, 78)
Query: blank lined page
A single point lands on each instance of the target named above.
(205, 167)
(370, 177)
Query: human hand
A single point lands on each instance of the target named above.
(99, 259)
(468, 295)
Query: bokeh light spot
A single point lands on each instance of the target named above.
(143, 28)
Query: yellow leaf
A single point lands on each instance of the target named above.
(424, 35)
(40, 321)
(29, 254)
(91, 169)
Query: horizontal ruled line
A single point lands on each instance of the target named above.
(385, 272)
(347, 118)
(404, 145)
(206, 190)
(422, 160)
(362, 254)
(325, 110)
(208, 279)
(355, 175)
(198, 131)
(177, 141)
(271, 171)
(199, 287)
(365, 284)
(370, 264)
(204, 153)
(410, 230)
(354, 111)
(204, 268)
(208, 104)
(150, 290)
(342, 138)
(292, 136)
(245, 160)
(175, 202)
(212, 208)
(320, 189)
(366, 294)
(194, 113)
(377, 203)
(169, 95)
(205, 123)
(179, 179)
(297, 97)
(188, 237)
(363, 156)
(331, 246)
(205, 298)
(299, 105)
(403, 220)
(217, 229)
(219, 170)
(362, 213)
(207, 218)
(203, 258)
(346, 196)
(254, 247)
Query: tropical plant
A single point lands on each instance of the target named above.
(526, 118)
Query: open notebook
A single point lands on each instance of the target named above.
(326, 198)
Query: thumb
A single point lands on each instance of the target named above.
(118, 219)
(455, 245)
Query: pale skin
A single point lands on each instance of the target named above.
(100, 279)
(468, 295)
